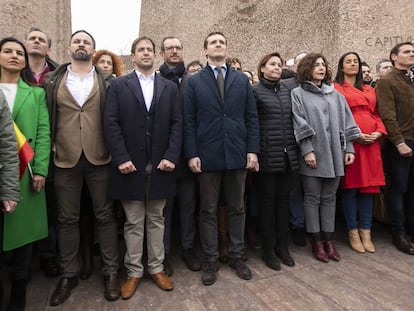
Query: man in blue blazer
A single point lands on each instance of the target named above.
(143, 128)
(221, 141)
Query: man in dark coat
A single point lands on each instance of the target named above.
(221, 141)
(143, 127)
(38, 45)
(173, 69)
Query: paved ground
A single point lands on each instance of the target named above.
(380, 281)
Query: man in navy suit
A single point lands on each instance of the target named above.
(221, 141)
(143, 128)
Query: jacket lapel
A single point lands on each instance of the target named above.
(23, 91)
(210, 80)
(230, 76)
(159, 86)
(134, 86)
(95, 87)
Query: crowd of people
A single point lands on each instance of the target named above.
(237, 153)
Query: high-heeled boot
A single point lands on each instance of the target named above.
(355, 241)
(223, 239)
(365, 235)
(318, 249)
(330, 246)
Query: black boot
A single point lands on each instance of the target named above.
(17, 300)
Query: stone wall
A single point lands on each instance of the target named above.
(53, 17)
(256, 27)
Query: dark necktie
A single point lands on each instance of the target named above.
(220, 82)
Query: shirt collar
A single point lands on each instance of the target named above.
(222, 66)
(74, 73)
(143, 77)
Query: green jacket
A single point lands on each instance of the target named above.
(28, 223)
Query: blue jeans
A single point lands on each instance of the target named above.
(401, 172)
(354, 204)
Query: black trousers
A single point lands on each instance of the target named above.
(274, 190)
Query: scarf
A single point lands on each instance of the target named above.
(173, 74)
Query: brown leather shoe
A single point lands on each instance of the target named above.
(129, 287)
(163, 281)
(403, 244)
(63, 290)
(111, 286)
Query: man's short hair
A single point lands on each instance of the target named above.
(167, 38)
(49, 40)
(84, 31)
(212, 34)
(364, 64)
(396, 49)
(378, 65)
(194, 62)
(138, 40)
(232, 60)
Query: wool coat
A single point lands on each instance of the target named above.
(277, 139)
(220, 133)
(127, 123)
(28, 223)
(323, 124)
(367, 171)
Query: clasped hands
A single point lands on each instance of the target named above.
(129, 167)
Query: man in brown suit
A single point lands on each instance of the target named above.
(76, 96)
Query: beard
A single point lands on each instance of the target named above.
(81, 56)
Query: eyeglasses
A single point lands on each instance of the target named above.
(171, 48)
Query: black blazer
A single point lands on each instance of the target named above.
(125, 121)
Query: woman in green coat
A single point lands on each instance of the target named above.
(28, 223)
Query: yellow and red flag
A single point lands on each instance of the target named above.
(26, 152)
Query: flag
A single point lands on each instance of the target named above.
(26, 152)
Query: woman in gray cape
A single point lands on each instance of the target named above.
(324, 129)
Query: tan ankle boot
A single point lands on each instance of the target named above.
(365, 235)
(355, 241)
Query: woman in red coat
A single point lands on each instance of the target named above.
(365, 176)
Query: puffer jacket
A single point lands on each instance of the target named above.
(277, 140)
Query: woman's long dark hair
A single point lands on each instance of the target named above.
(340, 76)
(25, 73)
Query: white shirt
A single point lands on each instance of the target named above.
(147, 87)
(80, 88)
(223, 70)
(10, 91)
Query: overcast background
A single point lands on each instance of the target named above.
(114, 26)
